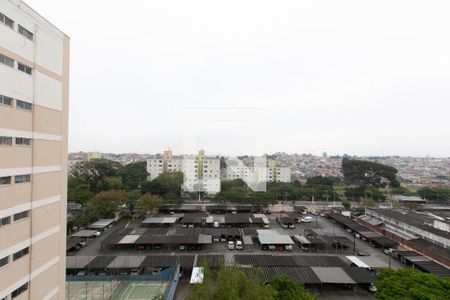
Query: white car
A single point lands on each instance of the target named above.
(372, 288)
(98, 233)
(306, 219)
(288, 247)
(230, 245)
(239, 245)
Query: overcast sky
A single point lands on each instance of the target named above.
(235, 77)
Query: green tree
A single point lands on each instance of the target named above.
(105, 204)
(409, 284)
(78, 192)
(134, 175)
(170, 182)
(109, 183)
(92, 171)
(287, 288)
(146, 203)
(346, 204)
(367, 173)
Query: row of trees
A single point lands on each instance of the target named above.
(103, 186)
(231, 283)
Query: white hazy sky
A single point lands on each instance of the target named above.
(357, 77)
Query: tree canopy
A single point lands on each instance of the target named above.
(409, 284)
(368, 174)
(231, 283)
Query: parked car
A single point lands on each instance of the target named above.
(156, 270)
(239, 245)
(82, 243)
(223, 238)
(264, 247)
(182, 247)
(98, 233)
(134, 272)
(388, 251)
(372, 288)
(307, 219)
(288, 247)
(291, 226)
(266, 226)
(280, 248)
(216, 238)
(272, 247)
(360, 253)
(230, 245)
(306, 249)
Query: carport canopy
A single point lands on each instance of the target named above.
(335, 275)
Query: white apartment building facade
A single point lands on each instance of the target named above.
(270, 173)
(200, 173)
(34, 98)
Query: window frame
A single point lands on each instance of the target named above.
(5, 20)
(21, 253)
(19, 103)
(4, 60)
(21, 215)
(3, 98)
(3, 223)
(8, 180)
(23, 139)
(26, 69)
(5, 263)
(5, 138)
(26, 177)
(19, 290)
(25, 32)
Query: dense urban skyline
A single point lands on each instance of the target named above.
(347, 77)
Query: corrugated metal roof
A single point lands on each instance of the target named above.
(129, 262)
(332, 275)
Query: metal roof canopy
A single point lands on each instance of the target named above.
(126, 262)
(160, 220)
(78, 262)
(102, 223)
(332, 275)
(129, 239)
(275, 239)
(197, 275)
(85, 233)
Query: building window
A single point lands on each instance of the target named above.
(4, 261)
(21, 253)
(6, 60)
(6, 100)
(21, 215)
(5, 141)
(23, 141)
(24, 105)
(25, 32)
(5, 221)
(19, 291)
(22, 178)
(5, 180)
(7, 21)
(24, 68)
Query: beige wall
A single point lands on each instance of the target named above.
(47, 125)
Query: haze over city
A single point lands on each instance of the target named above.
(342, 77)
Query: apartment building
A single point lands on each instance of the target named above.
(200, 173)
(34, 93)
(270, 172)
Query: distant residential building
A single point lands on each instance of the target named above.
(201, 173)
(236, 169)
(94, 155)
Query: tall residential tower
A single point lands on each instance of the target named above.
(34, 95)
